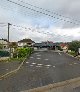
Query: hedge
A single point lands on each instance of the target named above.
(22, 52)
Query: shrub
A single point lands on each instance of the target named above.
(22, 52)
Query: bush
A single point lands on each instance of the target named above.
(22, 52)
(59, 48)
(72, 53)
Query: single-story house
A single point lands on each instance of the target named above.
(25, 42)
(64, 47)
(47, 44)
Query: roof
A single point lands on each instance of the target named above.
(26, 40)
(4, 40)
(63, 45)
(45, 44)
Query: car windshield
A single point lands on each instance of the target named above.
(39, 45)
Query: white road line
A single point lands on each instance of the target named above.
(70, 64)
(75, 63)
(53, 81)
(33, 63)
(59, 53)
(48, 65)
(38, 55)
(7, 69)
(38, 58)
(46, 59)
(54, 66)
(31, 57)
(27, 62)
(39, 64)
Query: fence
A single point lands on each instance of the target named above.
(4, 54)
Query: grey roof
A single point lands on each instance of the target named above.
(26, 40)
(45, 44)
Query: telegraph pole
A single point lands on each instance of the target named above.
(8, 32)
(9, 37)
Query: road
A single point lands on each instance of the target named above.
(41, 69)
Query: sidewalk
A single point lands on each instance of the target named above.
(6, 67)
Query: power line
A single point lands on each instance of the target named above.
(47, 10)
(42, 12)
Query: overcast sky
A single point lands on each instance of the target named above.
(43, 27)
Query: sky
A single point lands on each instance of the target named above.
(43, 27)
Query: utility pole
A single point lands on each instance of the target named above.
(8, 32)
(9, 37)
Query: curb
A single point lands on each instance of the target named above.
(73, 56)
(64, 86)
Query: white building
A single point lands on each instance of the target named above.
(4, 43)
(25, 42)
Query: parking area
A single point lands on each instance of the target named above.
(42, 68)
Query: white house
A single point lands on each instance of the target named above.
(25, 42)
(4, 43)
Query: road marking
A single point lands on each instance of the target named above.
(46, 59)
(75, 63)
(7, 69)
(59, 53)
(38, 55)
(33, 63)
(53, 81)
(38, 58)
(54, 66)
(31, 57)
(70, 64)
(39, 64)
(27, 62)
(48, 65)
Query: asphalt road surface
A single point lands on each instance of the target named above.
(41, 69)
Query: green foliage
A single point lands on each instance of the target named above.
(22, 52)
(59, 48)
(72, 53)
(74, 45)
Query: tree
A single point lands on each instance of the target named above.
(74, 45)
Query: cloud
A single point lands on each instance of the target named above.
(59, 30)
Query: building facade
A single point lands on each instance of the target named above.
(25, 42)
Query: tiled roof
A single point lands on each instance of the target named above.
(26, 40)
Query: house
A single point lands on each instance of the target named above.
(25, 42)
(47, 44)
(64, 47)
(4, 43)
